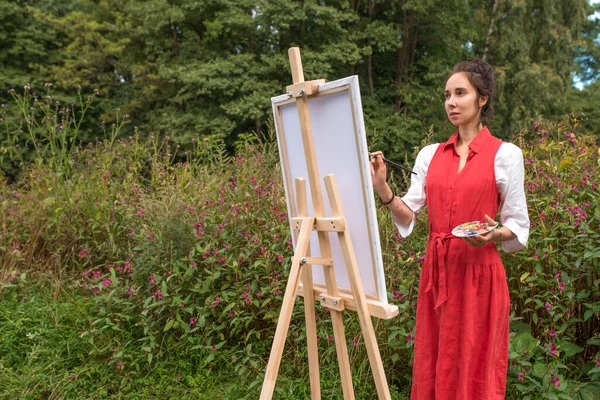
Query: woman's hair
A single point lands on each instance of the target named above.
(481, 76)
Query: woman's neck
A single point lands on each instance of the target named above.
(466, 133)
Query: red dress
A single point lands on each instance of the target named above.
(461, 336)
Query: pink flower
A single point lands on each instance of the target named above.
(598, 362)
(551, 333)
(83, 253)
(521, 376)
(152, 279)
(561, 286)
(214, 349)
(119, 366)
(106, 282)
(553, 349)
(193, 321)
(409, 338)
(355, 342)
(140, 213)
(279, 259)
(548, 307)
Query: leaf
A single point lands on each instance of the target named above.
(570, 349)
(524, 341)
(169, 325)
(590, 391)
(587, 315)
(524, 276)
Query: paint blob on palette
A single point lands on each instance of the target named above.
(473, 228)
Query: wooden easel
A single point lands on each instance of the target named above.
(303, 225)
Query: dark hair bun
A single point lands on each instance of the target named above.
(481, 76)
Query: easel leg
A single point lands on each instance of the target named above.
(311, 336)
(337, 321)
(309, 304)
(285, 315)
(362, 309)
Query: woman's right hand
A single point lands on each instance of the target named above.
(378, 170)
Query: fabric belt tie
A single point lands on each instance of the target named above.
(438, 259)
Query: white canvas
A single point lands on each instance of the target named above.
(341, 149)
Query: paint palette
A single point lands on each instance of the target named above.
(473, 228)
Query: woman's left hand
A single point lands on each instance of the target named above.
(481, 240)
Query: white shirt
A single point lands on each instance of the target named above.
(509, 170)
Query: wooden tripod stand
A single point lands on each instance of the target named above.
(303, 225)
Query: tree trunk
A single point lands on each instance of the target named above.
(490, 30)
(370, 56)
(258, 123)
(406, 52)
(174, 38)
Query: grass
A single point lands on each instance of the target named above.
(45, 355)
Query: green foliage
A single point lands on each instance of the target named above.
(156, 265)
(191, 69)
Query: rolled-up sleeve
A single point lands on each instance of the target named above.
(510, 180)
(415, 198)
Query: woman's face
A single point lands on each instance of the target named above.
(462, 106)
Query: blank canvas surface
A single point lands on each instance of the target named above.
(341, 149)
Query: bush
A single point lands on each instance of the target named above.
(188, 261)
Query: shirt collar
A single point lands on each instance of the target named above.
(476, 144)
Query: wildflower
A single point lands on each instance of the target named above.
(561, 286)
(355, 342)
(552, 333)
(409, 338)
(214, 348)
(119, 366)
(598, 362)
(179, 377)
(193, 321)
(553, 349)
(193, 264)
(152, 279)
(83, 253)
(554, 379)
(521, 376)
(329, 341)
(182, 304)
(106, 282)
(278, 292)
(557, 274)
(279, 259)
(548, 307)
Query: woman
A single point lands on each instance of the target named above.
(461, 337)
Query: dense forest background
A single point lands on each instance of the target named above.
(191, 68)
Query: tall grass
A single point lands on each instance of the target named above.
(143, 263)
